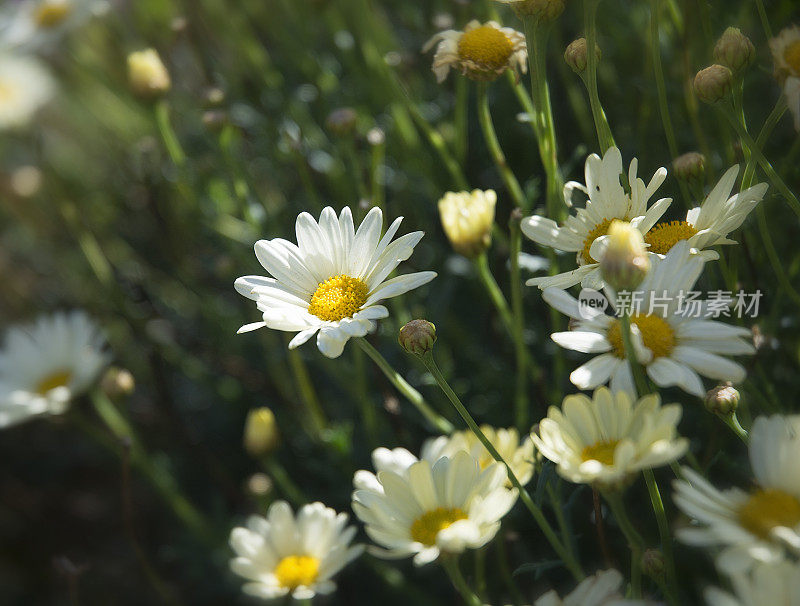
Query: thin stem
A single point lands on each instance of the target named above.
(732, 421)
(762, 14)
(769, 125)
(315, 415)
(411, 394)
(283, 480)
(168, 135)
(635, 541)
(664, 533)
(604, 136)
(450, 564)
(499, 158)
(505, 570)
(639, 377)
(495, 294)
(367, 407)
(461, 119)
(570, 561)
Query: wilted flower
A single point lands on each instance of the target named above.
(467, 219)
(480, 52)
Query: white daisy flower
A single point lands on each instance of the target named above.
(785, 49)
(518, 455)
(32, 24)
(397, 460)
(444, 507)
(601, 589)
(759, 525)
(607, 201)
(710, 223)
(25, 86)
(481, 51)
(776, 584)
(608, 439)
(791, 89)
(281, 555)
(671, 335)
(331, 281)
(47, 364)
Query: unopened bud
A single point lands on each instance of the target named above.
(376, 136)
(722, 400)
(342, 121)
(259, 485)
(467, 219)
(713, 83)
(625, 262)
(117, 382)
(540, 10)
(690, 166)
(653, 564)
(575, 55)
(734, 49)
(147, 76)
(417, 337)
(261, 435)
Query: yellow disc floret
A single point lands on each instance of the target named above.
(656, 332)
(60, 378)
(768, 509)
(663, 236)
(429, 524)
(296, 570)
(337, 298)
(51, 14)
(485, 46)
(602, 451)
(601, 229)
(792, 56)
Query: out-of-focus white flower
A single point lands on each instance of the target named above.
(47, 364)
(600, 589)
(774, 584)
(480, 51)
(607, 201)
(281, 555)
(25, 86)
(33, 24)
(605, 440)
(429, 509)
(785, 49)
(756, 526)
(331, 281)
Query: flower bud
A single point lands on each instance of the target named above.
(690, 166)
(713, 83)
(342, 121)
(147, 76)
(540, 10)
(259, 485)
(575, 55)
(261, 436)
(625, 262)
(467, 219)
(417, 337)
(722, 400)
(734, 50)
(653, 564)
(117, 382)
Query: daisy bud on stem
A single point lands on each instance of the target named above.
(713, 83)
(575, 55)
(147, 75)
(539, 10)
(261, 436)
(467, 219)
(653, 564)
(734, 50)
(690, 166)
(722, 400)
(625, 262)
(117, 382)
(417, 337)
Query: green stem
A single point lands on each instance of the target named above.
(762, 14)
(604, 136)
(283, 480)
(450, 564)
(639, 377)
(635, 541)
(518, 314)
(168, 135)
(570, 561)
(671, 587)
(411, 394)
(315, 415)
(499, 158)
(368, 409)
(769, 125)
(495, 294)
(732, 421)
(461, 119)
(505, 570)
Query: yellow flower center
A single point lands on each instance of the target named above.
(337, 298)
(53, 380)
(768, 509)
(429, 524)
(657, 335)
(7, 92)
(485, 45)
(294, 571)
(601, 229)
(51, 14)
(663, 236)
(792, 56)
(600, 451)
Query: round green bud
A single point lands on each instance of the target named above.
(417, 337)
(713, 83)
(734, 49)
(690, 166)
(722, 400)
(575, 55)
